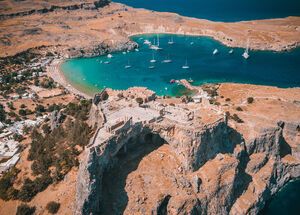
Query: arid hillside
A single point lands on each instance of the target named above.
(74, 30)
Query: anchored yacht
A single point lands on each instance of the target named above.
(246, 52)
(185, 66)
(216, 51)
(171, 41)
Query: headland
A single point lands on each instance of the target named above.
(226, 150)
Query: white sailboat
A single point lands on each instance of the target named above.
(128, 65)
(156, 47)
(230, 51)
(167, 60)
(171, 41)
(147, 42)
(185, 66)
(151, 67)
(109, 56)
(216, 51)
(246, 52)
(153, 59)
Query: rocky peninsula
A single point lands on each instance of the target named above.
(85, 30)
(179, 157)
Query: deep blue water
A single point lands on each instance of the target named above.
(287, 201)
(263, 67)
(222, 10)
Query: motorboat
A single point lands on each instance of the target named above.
(216, 51)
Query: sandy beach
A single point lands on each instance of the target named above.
(54, 71)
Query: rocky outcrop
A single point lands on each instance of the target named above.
(101, 49)
(51, 8)
(228, 175)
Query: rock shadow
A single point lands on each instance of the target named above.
(114, 196)
(222, 139)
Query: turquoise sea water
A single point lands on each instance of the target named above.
(222, 10)
(263, 67)
(285, 202)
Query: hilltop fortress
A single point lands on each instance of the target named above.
(226, 150)
(180, 158)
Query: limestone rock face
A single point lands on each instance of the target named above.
(56, 118)
(165, 168)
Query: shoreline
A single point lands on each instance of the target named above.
(54, 71)
(117, 26)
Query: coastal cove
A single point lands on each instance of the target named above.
(128, 69)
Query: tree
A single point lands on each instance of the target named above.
(53, 207)
(250, 100)
(139, 100)
(40, 108)
(2, 113)
(239, 109)
(24, 209)
(22, 112)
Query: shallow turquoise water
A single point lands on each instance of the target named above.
(285, 202)
(222, 10)
(263, 67)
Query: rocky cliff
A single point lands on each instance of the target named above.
(211, 169)
(11, 9)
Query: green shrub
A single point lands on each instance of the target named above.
(239, 109)
(24, 209)
(139, 100)
(6, 184)
(2, 113)
(250, 100)
(237, 118)
(53, 207)
(40, 108)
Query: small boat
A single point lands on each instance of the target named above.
(166, 88)
(167, 60)
(147, 42)
(137, 50)
(156, 47)
(153, 59)
(123, 52)
(109, 56)
(101, 61)
(106, 62)
(192, 43)
(171, 42)
(185, 66)
(246, 52)
(151, 67)
(172, 81)
(190, 80)
(246, 55)
(230, 51)
(216, 51)
(127, 66)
